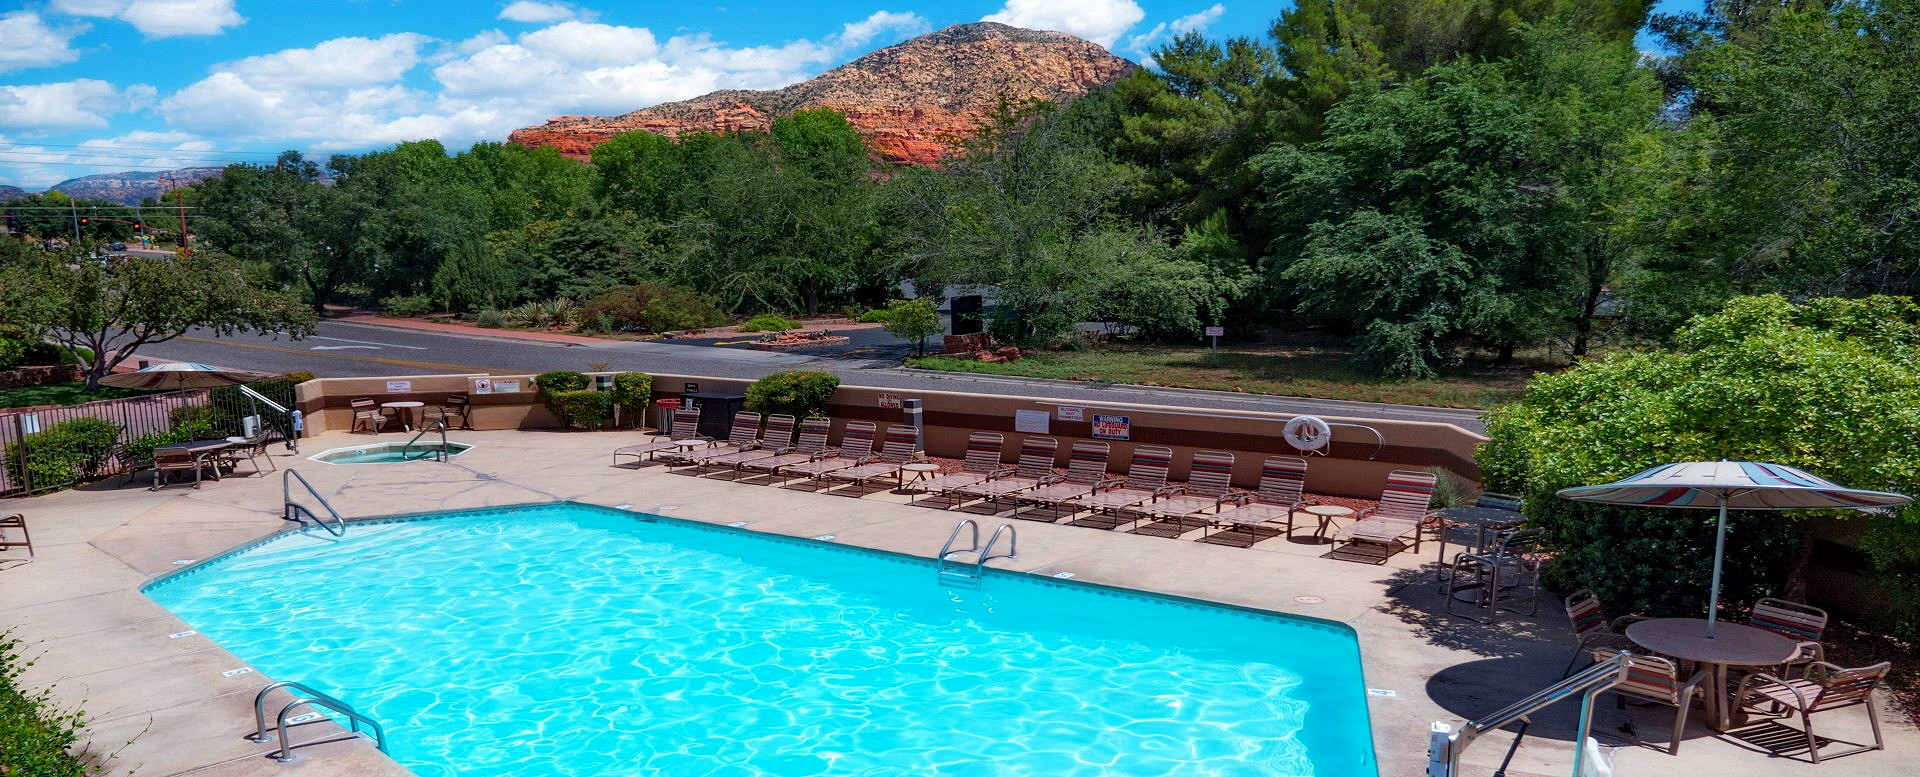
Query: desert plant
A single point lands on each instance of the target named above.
(491, 318)
(768, 322)
(631, 390)
(1448, 489)
(406, 306)
(799, 393)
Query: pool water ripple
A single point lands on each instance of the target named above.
(567, 640)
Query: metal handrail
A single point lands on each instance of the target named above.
(986, 555)
(339, 526)
(946, 551)
(310, 698)
(441, 455)
(293, 438)
(1445, 746)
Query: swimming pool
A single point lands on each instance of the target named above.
(388, 452)
(574, 640)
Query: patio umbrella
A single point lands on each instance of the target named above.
(1737, 485)
(181, 376)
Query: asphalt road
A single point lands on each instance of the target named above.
(342, 349)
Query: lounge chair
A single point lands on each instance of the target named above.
(1209, 479)
(900, 446)
(1400, 516)
(16, 521)
(1112, 501)
(368, 415)
(1086, 472)
(1658, 680)
(1801, 623)
(776, 438)
(1826, 687)
(1034, 467)
(686, 426)
(982, 463)
(1592, 630)
(454, 406)
(1282, 492)
(812, 446)
(743, 434)
(856, 445)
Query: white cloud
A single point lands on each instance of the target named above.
(590, 45)
(1100, 21)
(26, 40)
(1193, 22)
(138, 150)
(334, 63)
(539, 13)
(160, 18)
(83, 103)
(855, 34)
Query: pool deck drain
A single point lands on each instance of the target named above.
(147, 678)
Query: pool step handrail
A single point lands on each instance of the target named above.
(299, 513)
(1445, 745)
(952, 570)
(439, 455)
(306, 696)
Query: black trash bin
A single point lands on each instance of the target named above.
(716, 411)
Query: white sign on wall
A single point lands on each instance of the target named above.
(1030, 421)
(1070, 413)
(483, 385)
(506, 387)
(399, 386)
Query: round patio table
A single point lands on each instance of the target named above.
(1326, 514)
(1482, 519)
(921, 471)
(1733, 644)
(405, 411)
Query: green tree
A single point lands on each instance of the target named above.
(914, 319)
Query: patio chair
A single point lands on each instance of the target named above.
(1514, 561)
(856, 446)
(1801, 623)
(686, 426)
(169, 461)
(1208, 487)
(743, 434)
(1112, 502)
(1034, 467)
(812, 445)
(982, 463)
(775, 438)
(16, 521)
(1658, 680)
(901, 444)
(1282, 492)
(454, 406)
(368, 415)
(1826, 687)
(1400, 515)
(1592, 630)
(1498, 501)
(253, 449)
(1086, 472)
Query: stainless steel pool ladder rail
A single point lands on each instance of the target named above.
(439, 455)
(305, 696)
(294, 510)
(950, 571)
(1445, 746)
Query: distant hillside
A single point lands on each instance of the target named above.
(8, 193)
(130, 188)
(909, 100)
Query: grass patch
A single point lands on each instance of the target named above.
(1321, 372)
(62, 394)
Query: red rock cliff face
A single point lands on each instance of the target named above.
(911, 101)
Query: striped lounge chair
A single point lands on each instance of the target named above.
(1401, 515)
(1113, 503)
(686, 426)
(981, 464)
(775, 438)
(1209, 479)
(1801, 623)
(900, 446)
(1658, 680)
(743, 435)
(1826, 687)
(856, 445)
(1592, 630)
(1035, 467)
(812, 447)
(1282, 492)
(1086, 473)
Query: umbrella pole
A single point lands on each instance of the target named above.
(1719, 554)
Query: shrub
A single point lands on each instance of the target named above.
(18, 349)
(541, 315)
(631, 390)
(139, 450)
(652, 307)
(404, 307)
(585, 409)
(799, 393)
(768, 322)
(873, 317)
(63, 453)
(914, 319)
(552, 384)
(34, 736)
(853, 312)
(490, 319)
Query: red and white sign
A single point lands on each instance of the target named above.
(1112, 427)
(890, 401)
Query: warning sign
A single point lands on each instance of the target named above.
(890, 401)
(1112, 427)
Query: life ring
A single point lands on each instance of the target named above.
(1308, 433)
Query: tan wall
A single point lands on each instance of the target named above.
(1352, 468)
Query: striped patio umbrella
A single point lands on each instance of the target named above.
(1737, 485)
(182, 376)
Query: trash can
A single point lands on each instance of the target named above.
(716, 411)
(663, 414)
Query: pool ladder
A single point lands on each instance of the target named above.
(301, 514)
(439, 424)
(305, 696)
(954, 571)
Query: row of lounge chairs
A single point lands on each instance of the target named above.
(1141, 501)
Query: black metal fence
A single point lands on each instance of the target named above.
(40, 450)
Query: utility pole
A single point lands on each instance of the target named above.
(180, 205)
(74, 210)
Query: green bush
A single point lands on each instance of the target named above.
(914, 319)
(404, 307)
(585, 409)
(1828, 386)
(652, 307)
(631, 391)
(139, 450)
(34, 735)
(561, 380)
(63, 453)
(18, 349)
(490, 319)
(873, 317)
(799, 393)
(768, 322)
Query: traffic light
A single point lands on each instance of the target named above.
(83, 221)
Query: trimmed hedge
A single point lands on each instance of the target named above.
(767, 322)
(586, 409)
(631, 390)
(799, 393)
(63, 454)
(561, 380)
(34, 736)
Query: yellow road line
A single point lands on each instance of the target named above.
(351, 358)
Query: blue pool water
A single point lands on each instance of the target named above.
(574, 640)
(388, 453)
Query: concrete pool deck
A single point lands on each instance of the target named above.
(162, 703)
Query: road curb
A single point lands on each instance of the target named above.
(1466, 413)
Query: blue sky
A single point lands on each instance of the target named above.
(95, 86)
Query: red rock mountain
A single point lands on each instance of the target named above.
(909, 100)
